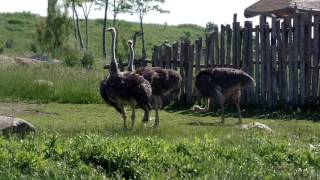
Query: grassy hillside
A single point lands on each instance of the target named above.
(18, 31)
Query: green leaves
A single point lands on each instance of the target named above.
(95, 156)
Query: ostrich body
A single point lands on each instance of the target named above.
(164, 82)
(220, 84)
(125, 88)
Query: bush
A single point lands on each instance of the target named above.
(9, 43)
(87, 60)
(1, 49)
(72, 58)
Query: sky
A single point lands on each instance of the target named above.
(181, 11)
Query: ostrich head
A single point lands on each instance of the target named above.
(131, 56)
(114, 64)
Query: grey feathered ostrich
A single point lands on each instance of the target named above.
(121, 88)
(164, 82)
(219, 84)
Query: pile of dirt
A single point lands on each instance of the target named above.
(5, 60)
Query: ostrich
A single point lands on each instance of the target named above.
(220, 84)
(164, 82)
(122, 88)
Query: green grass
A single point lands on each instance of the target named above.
(88, 141)
(70, 85)
(20, 27)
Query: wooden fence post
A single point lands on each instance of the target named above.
(189, 71)
(229, 38)
(263, 59)
(175, 55)
(274, 60)
(222, 46)
(316, 58)
(257, 65)
(198, 45)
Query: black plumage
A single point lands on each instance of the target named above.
(222, 83)
(164, 82)
(121, 88)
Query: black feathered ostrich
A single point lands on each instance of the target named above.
(121, 88)
(220, 84)
(164, 82)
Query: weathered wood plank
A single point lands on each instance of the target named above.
(268, 66)
(155, 56)
(189, 74)
(274, 60)
(168, 55)
(291, 66)
(234, 40)
(216, 46)
(222, 45)
(181, 66)
(316, 58)
(250, 62)
(212, 49)
(308, 52)
(229, 38)
(302, 60)
(295, 60)
(244, 60)
(263, 59)
(257, 66)
(208, 46)
(198, 45)
(175, 55)
(282, 37)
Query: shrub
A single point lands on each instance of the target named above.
(9, 43)
(72, 57)
(1, 49)
(87, 60)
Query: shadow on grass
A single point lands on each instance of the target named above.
(281, 113)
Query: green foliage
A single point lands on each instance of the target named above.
(9, 43)
(87, 60)
(94, 156)
(1, 49)
(72, 58)
(53, 32)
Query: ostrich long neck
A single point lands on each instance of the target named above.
(131, 59)
(114, 69)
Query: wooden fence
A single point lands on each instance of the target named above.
(283, 57)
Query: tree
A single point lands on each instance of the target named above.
(104, 3)
(86, 6)
(117, 7)
(141, 8)
(76, 24)
(54, 31)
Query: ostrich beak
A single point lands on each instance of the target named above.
(112, 29)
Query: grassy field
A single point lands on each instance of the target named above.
(86, 141)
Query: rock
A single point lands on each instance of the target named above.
(26, 61)
(42, 82)
(256, 125)
(5, 60)
(20, 127)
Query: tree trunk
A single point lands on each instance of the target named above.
(87, 37)
(78, 25)
(104, 48)
(143, 41)
(74, 26)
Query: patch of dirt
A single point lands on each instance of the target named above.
(17, 109)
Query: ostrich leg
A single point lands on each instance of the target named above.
(236, 100)
(124, 116)
(157, 107)
(146, 116)
(221, 100)
(133, 115)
